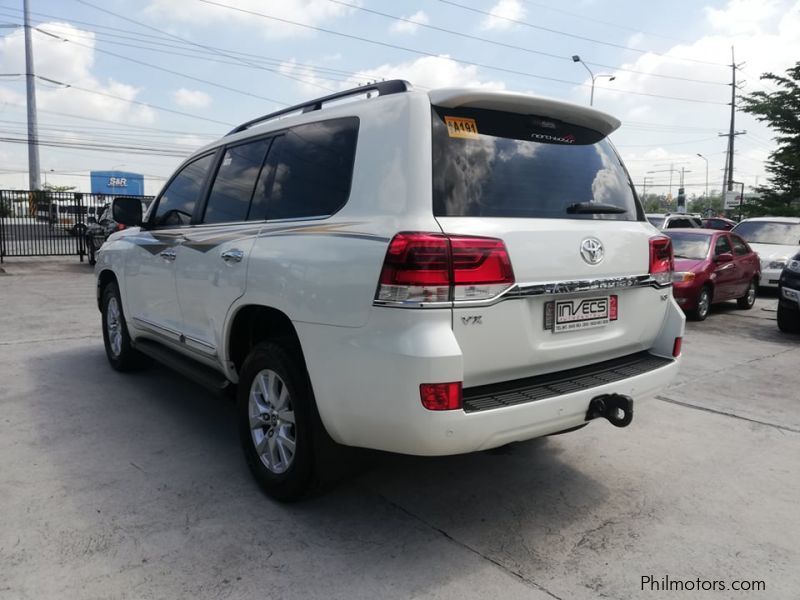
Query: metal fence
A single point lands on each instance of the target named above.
(44, 223)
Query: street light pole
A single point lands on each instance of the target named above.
(708, 201)
(576, 58)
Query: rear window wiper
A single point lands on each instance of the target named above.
(597, 208)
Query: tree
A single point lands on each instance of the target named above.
(49, 187)
(781, 111)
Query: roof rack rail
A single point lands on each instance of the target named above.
(393, 86)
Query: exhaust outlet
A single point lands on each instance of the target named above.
(616, 408)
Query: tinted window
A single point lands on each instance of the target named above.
(229, 199)
(722, 246)
(769, 232)
(679, 222)
(690, 245)
(313, 169)
(739, 247)
(176, 205)
(494, 164)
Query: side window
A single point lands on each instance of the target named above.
(722, 246)
(233, 186)
(176, 205)
(739, 247)
(313, 169)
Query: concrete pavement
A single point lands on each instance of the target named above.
(132, 486)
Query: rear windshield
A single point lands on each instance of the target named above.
(689, 245)
(495, 164)
(769, 232)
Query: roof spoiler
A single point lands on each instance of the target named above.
(525, 104)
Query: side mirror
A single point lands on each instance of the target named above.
(725, 257)
(127, 211)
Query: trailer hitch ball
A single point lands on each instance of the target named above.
(616, 408)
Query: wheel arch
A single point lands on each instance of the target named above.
(104, 277)
(254, 323)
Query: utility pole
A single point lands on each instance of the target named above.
(33, 130)
(732, 133)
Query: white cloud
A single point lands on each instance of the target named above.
(191, 98)
(501, 12)
(766, 35)
(425, 72)
(71, 64)
(410, 28)
(310, 12)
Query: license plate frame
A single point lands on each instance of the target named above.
(579, 314)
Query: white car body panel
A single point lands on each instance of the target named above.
(769, 253)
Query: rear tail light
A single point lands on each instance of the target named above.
(433, 267)
(120, 226)
(661, 261)
(441, 396)
(676, 347)
(613, 308)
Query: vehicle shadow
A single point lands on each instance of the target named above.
(151, 463)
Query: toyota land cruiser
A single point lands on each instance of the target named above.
(419, 272)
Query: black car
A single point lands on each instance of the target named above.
(789, 296)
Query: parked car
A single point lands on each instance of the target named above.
(720, 223)
(674, 221)
(775, 239)
(712, 266)
(98, 230)
(422, 272)
(789, 296)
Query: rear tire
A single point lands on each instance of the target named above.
(747, 301)
(788, 320)
(120, 353)
(278, 421)
(703, 304)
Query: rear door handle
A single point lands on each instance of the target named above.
(168, 255)
(232, 256)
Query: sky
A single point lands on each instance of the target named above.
(138, 85)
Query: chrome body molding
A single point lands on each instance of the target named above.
(547, 288)
(176, 337)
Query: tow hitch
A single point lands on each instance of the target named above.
(618, 409)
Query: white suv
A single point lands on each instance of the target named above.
(427, 273)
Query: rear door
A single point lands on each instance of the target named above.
(726, 274)
(746, 263)
(563, 204)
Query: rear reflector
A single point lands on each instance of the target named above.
(613, 309)
(661, 261)
(676, 347)
(433, 267)
(441, 396)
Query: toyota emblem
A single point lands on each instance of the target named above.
(592, 250)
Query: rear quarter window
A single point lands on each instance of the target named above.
(495, 164)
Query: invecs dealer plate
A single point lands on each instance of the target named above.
(579, 313)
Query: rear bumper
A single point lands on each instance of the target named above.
(366, 383)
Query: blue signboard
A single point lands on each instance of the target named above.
(119, 183)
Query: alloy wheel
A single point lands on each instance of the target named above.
(114, 327)
(272, 421)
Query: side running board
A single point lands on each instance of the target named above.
(205, 376)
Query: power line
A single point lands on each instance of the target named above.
(434, 55)
(172, 35)
(575, 36)
(516, 47)
(98, 147)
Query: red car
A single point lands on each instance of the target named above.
(712, 266)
